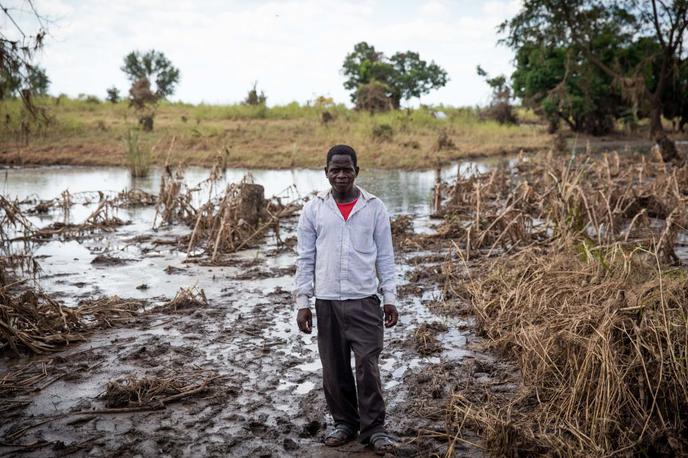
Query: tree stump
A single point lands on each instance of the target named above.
(253, 203)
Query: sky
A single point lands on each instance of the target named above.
(294, 49)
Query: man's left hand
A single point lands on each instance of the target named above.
(391, 315)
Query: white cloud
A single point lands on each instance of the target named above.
(294, 48)
(434, 8)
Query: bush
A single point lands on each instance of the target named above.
(372, 97)
(138, 157)
(253, 98)
(383, 133)
(112, 95)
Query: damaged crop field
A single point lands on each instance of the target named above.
(543, 311)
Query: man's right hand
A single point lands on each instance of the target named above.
(304, 318)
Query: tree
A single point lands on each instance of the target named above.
(560, 84)
(414, 77)
(500, 108)
(18, 44)
(38, 81)
(141, 69)
(404, 75)
(154, 67)
(112, 94)
(144, 102)
(579, 23)
(253, 98)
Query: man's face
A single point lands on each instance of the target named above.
(341, 173)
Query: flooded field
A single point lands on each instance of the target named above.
(537, 301)
(260, 377)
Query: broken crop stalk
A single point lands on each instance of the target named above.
(237, 219)
(588, 298)
(152, 391)
(35, 322)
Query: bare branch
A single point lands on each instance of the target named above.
(658, 29)
(7, 13)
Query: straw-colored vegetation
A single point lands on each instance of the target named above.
(588, 298)
(93, 133)
(152, 391)
(33, 321)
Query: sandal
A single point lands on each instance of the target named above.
(382, 443)
(340, 435)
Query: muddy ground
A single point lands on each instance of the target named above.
(260, 379)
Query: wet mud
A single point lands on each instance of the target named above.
(227, 373)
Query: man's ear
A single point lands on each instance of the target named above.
(357, 170)
(325, 168)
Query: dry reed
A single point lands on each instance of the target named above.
(587, 298)
(425, 338)
(186, 299)
(151, 391)
(35, 322)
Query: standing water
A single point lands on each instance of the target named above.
(247, 335)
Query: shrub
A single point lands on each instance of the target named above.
(138, 156)
(383, 132)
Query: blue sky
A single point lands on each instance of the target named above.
(293, 48)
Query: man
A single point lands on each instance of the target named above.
(344, 243)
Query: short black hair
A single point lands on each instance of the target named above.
(342, 149)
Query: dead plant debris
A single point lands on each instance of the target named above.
(153, 391)
(587, 296)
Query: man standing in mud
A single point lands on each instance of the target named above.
(345, 256)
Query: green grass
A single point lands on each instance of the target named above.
(291, 135)
(138, 156)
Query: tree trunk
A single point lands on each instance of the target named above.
(146, 123)
(656, 128)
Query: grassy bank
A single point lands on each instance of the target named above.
(90, 133)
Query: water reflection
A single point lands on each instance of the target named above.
(402, 191)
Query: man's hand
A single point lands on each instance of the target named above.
(304, 318)
(391, 315)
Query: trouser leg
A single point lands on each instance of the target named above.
(335, 355)
(365, 334)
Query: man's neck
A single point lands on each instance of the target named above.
(345, 197)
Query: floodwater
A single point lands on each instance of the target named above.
(404, 192)
(247, 334)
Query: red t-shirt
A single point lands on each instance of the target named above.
(346, 208)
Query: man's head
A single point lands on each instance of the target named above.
(342, 168)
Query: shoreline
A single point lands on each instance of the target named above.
(42, 157)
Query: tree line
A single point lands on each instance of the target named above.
(592, 63)
(585, 64)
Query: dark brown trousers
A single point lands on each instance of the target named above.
(345, 326)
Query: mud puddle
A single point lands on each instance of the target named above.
(263, 395)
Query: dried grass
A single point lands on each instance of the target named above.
(587, 299)
(402, 225)
(545, 199)
(239, 219)
(425, 338)
(34, 322)
(186, 299)
(151, 391)
(174, 200)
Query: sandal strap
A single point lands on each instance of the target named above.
(381, 437)
(341, 428)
